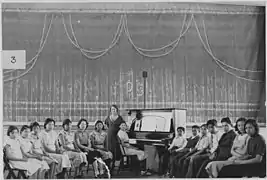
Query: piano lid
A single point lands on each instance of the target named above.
(155, 109)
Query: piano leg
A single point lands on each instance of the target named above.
(163, 159)
(152, 159)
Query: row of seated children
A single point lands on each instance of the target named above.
(49, 154)
(238, 152)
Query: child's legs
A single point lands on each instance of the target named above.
(41, 174)
(75, 157)
(95, 166)
(140, 154)
(52, 170)
(84, 158)
(35, 175)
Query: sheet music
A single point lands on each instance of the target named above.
(156, 121)
(137, 125)
(130, 119)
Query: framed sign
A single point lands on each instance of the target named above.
(14, 59)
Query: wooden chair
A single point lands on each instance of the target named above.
(21, 174)
(130, 159)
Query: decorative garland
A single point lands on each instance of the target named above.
(215, 58)
(205, 47)
(156, 49)
(174, 43)
(123, 25)
(34, 59)
(83, 51)
(114, 41)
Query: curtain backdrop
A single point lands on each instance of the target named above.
(211, 64)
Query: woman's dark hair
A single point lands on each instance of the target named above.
(226, 120)
(24, 127)
(81, 120)
(11, 129)
(254, 124)
(34, 124)
(97, 122)
(115, 106)
(212, 122)
(181, 128)
(48, 120)
(236, 123)
(66, 122)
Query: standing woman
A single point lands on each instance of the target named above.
(113, 122)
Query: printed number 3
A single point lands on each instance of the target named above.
(13, 59)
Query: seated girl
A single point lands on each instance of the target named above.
(38, 150)
(49, 139)
(26, 148)
(67, 145)
(255, 163)
(15, 156)
(129, 150)
(98, 138)
(82, 139)
(238, 151)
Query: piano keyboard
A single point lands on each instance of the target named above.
(149, 140)
(134, 141)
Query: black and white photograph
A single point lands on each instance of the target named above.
(115, 90)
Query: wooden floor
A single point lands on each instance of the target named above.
(122, 174)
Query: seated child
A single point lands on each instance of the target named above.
(202, 145)
(178, 143)
(191, 143)
(129, 150)
(68, 146)
(15, 156)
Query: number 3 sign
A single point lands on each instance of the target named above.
(14, 59)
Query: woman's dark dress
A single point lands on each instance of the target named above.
(256, 146)
(113, 128)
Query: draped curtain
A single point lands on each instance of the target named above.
(78, 64)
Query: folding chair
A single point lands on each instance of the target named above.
(129, 158)
(21, 174)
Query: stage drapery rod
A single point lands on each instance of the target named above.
(243, 11)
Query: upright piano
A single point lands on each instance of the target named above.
(154, 128)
